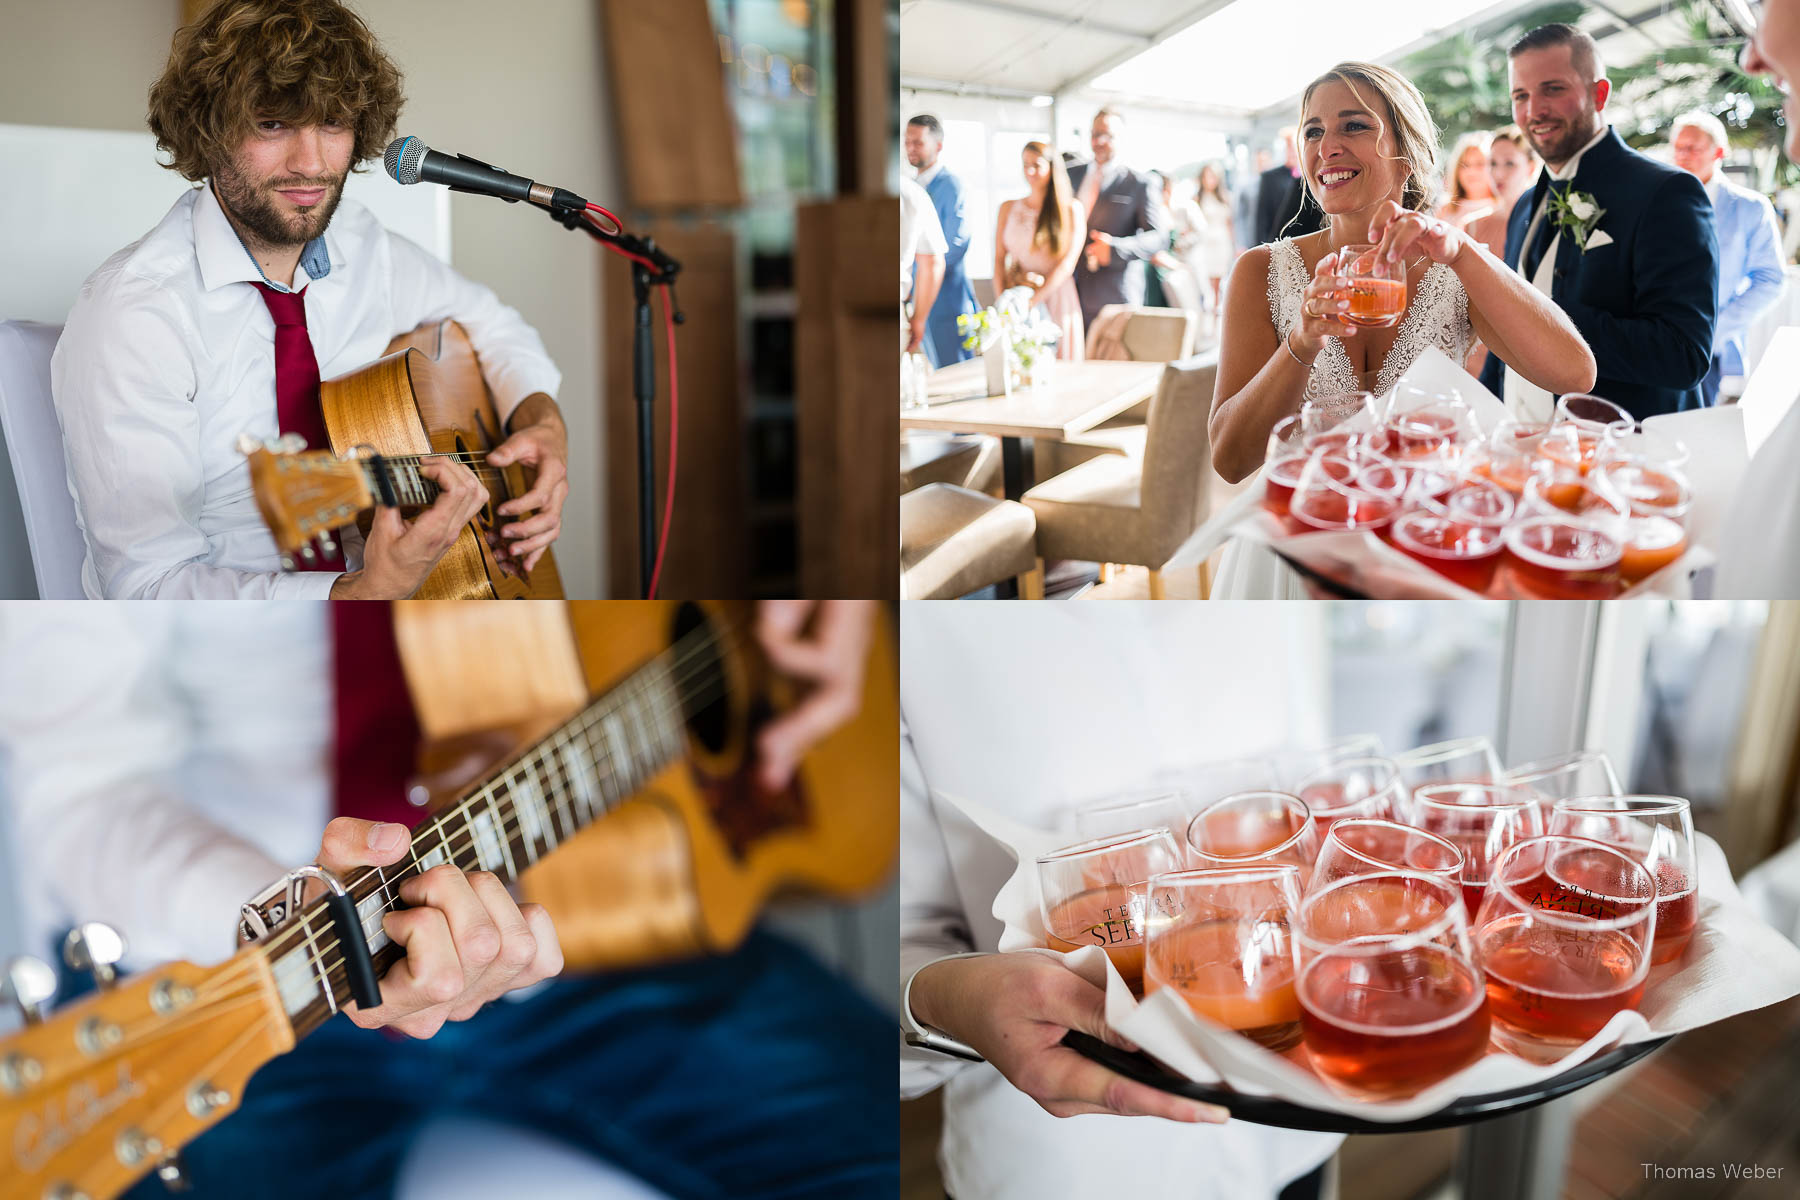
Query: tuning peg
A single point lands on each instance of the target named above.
(248, 444)
(328, 545)
(308, 555)
(28, 984)
(287, 562)
(92, 946)
(174, 1176)
(290, 443)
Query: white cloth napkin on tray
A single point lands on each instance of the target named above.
(1735, 963)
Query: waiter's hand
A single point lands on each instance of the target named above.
(821, 642)
(540, 442)
(399, 554)
(467, 942)
(1014, 1010)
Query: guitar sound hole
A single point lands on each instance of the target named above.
(477, 465)
(701, 678)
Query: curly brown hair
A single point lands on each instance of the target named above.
(298, 61)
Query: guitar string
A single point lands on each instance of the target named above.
(508, 828)
(455, 845)
(276, 948)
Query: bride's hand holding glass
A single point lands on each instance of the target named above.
(1323, 309)
(1400, 235)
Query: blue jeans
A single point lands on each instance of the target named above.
(758, 1074)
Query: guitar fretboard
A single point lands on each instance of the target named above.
(526, 810)
(397, 481)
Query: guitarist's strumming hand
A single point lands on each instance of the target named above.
(821, 642)
(467, 941)
(399, 554)
(540, 443)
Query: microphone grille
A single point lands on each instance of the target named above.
(402, 159)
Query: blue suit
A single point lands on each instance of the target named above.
(1750, 271)
(1646, 303)
(943, 344)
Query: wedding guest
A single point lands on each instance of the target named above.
(922, 248)
(1284, 205)
(924, 146)
(1126, 224)
(1218, 242)
(1622, 243)
(1244, 201)
(1179, 266)
(1750, 270)
(1471, 188)
(1371, 165)
(1512, 166)
(1040, 237)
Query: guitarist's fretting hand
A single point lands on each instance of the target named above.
(540, 443)
(829, 652)
(467, 942)
(399, 554)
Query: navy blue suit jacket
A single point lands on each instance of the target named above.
(943, 344)
(1646, 303)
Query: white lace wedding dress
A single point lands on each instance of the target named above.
(1437, 316)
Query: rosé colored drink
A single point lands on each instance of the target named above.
(1555, 561)
(1464, 553)
(1206, 966)
(1392, 1024)
(1107, 917)
(1376, 303)
(1557, 987)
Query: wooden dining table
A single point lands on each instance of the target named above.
(1079, 396)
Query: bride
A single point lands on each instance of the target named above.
(1369, 156)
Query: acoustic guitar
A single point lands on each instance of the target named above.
(425, 395)
(647, 779)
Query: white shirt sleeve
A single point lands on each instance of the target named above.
(124, 382)
(931, 921)
(93, 732)
(513, 358)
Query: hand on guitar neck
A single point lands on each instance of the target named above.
(467, 941)
(399, 554)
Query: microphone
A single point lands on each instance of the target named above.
(410, 161)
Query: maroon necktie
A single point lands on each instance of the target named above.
(377, 733)
(297, 408)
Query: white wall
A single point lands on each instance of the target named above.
(519, 86)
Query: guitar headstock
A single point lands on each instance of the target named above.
(304, 494)
(104, 1092)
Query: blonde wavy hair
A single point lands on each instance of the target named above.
(298, 61)
(1415, 134)
(1453, 167)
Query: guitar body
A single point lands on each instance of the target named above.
(426, 395)
(685, 866)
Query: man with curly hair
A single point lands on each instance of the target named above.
(187, 339)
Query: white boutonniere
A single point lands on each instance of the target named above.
(1576, 214)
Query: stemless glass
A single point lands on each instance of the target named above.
(1130, 812)
(1587, 422)
(1430, 425)
(1460, 760)
(1200, 785)
(1483, 820)
(1348, 491)
(1223, 942)
(1657, 831)
(1093, 894)
(1564, 934)
(1354, 787)
(1283, 458)
(1296, 765)
(1648, 446)
(1370, 846)
(1658, 498)
(1391, 995)
(1458, 535)
(1377, 287)
(1337, 420)
(1569, 539)
(1581, 773)
(1254, 829)
(1510, 455)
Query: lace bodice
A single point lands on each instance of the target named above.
(1438, 315)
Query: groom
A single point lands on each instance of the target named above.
(1622, 243)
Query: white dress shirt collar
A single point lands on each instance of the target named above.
(929, 173)
(224, 258)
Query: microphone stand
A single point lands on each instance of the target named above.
(657, 269)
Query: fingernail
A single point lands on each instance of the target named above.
(384, 836)
(1211, 1112)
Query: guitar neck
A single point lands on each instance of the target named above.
(524, 811)
(396, 482)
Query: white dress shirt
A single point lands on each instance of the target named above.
(168, 356)
(164, 762)
(1028, 711)
(920, 231)
(1526, 400)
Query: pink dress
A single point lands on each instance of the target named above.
(1063, 305)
